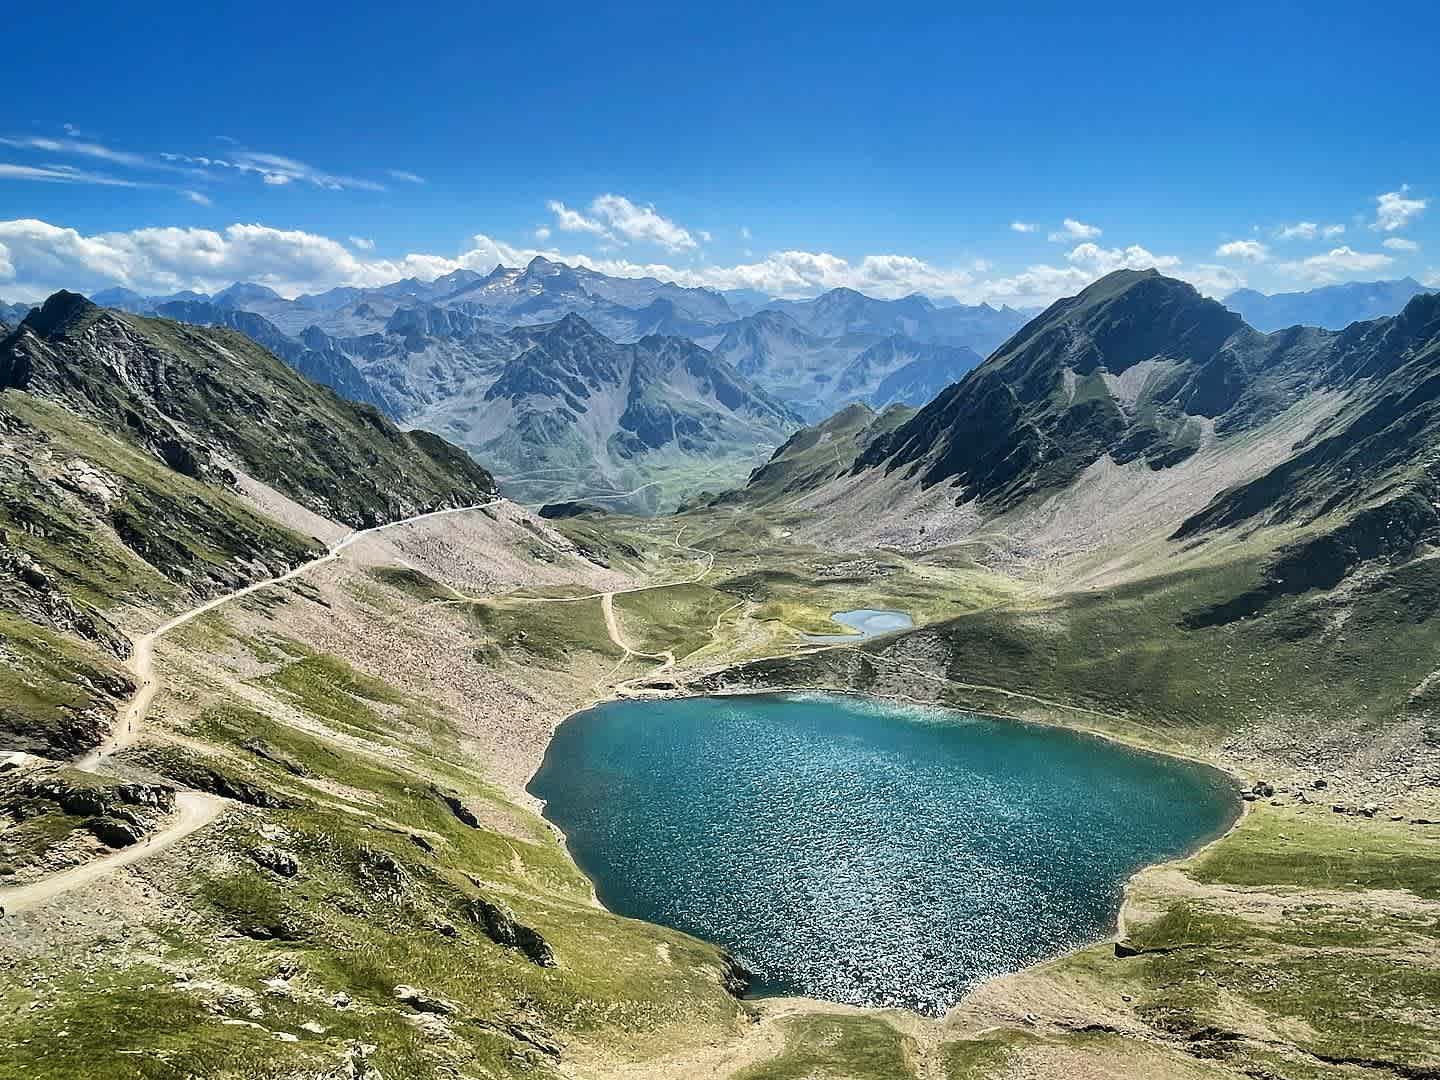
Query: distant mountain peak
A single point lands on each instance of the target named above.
(1331, 307)
(245, 292)
(60, 311)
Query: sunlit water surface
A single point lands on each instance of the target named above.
(865, 852)
(866, 622)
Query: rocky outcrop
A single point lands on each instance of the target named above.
(116, 832)
(420, 1001)
(29, 590)
(84, 794)
(192, 396)
(117, 814)
(276, 860)
(500, 926)
(455, 803)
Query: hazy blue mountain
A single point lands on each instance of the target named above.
(746, 301)
(1333, 307)
(319, 360)
(620, 307)
(245, 294)
(573, 413)
(845, 311)
(798, 366)
(14, 313)
(900, 371)
(124, 299)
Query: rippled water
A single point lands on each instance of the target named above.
(866, 622)
(864, 852)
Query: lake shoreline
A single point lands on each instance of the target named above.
(1228, 779)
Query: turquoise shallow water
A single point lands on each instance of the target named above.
(864, 852)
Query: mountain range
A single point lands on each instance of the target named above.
(429, 354)
(623, 309)
(1141, 405)
(633, 424)
(1333, 307)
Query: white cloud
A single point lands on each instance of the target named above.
(198, 198)
(85, 148)
(1246, 250)
(1399, 243)
(1075, 230)
(744, 232)
(542, 233)
(636, 222)
(1308, 230)
(1336, 264)
(567, 220)
(275, 169)
(1210, 279)
(1432, 280)
(362, 243)
(1101, 261)
(705, 237)
(406, 176)
(44, 257)
(617, 220)
(1393, 210)
(62, 174)
(1023, 226)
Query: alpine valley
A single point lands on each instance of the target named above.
(296, 592)
(573, 385)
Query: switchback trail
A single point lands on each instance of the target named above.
(193, 809)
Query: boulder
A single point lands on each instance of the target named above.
(277, 860)
(115, 833)
(420, 1001)
(358, 1065)
(501, 927)
(456, 805)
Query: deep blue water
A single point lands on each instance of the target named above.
(865, 852)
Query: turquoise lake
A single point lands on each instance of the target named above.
(865, 852)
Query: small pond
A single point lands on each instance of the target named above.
(866, 623)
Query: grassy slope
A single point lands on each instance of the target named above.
(383, 897)
(163, 539)
(1321, 683)
(163, 384)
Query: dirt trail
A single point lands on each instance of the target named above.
(193, 809)
(612, 627)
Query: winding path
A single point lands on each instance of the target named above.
(194, 809)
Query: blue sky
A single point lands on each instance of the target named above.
(784, 147)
